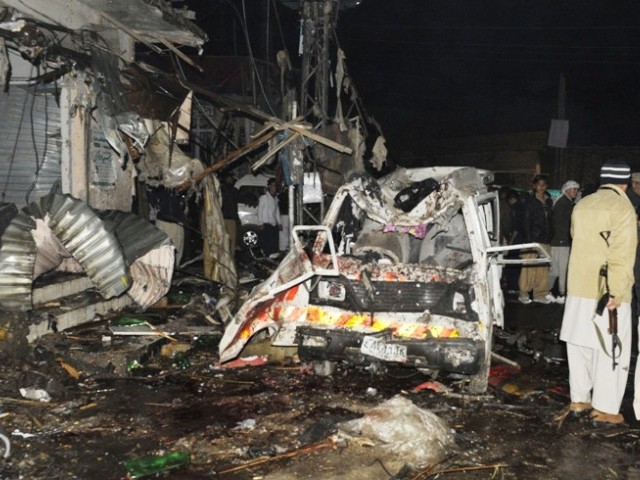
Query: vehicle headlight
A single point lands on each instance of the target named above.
(459, 305)
(330, 290)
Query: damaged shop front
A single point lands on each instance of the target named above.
(86, 131)
(93, 131)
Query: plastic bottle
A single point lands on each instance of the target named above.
(143, 466)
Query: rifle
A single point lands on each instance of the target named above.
(613, 331)
(613, 315)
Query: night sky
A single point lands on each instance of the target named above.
(450, 68)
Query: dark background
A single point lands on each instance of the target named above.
(429, 70)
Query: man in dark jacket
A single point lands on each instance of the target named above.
(537, 228)
(561, 239)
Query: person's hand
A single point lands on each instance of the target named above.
(612, 304)
(280, 227)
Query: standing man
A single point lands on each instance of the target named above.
(561, 239)
(269, 217)
(536, 226)
(634, 195)
(230, 199)
(603, 228)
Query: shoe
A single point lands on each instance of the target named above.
(524, 299)
(600, 419)
(560, 299)
(546, 300)
(577, 409)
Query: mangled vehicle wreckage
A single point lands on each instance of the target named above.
(404, 270)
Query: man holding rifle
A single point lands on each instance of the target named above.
(597, 316)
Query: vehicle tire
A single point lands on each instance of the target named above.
(250, 237)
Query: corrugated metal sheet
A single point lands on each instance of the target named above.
(84, 234)
(149, 253)
(17, 258)
(60, 228)
(50, 251)
(137, 236)
(30, 144)
(151, 276)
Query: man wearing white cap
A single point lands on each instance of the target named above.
(603, 228)
(561, 238)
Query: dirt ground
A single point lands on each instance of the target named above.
(115, 398)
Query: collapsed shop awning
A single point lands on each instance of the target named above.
(119, 252)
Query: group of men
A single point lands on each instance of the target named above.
(547, 223)
(599, 237)
(593, 245)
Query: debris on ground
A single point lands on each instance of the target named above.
(139, 386)
(419, 437)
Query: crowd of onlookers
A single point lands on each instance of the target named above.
(592, 240)
(535, 217)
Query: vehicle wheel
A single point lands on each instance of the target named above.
(250, 238)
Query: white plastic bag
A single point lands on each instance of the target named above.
(419, 436)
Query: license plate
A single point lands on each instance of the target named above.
(378, 348)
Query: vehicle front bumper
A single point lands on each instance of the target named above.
(459, 355)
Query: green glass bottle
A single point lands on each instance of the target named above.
(143, 466)
(127, 321)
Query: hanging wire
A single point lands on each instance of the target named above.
(279, 23)
(243, 24)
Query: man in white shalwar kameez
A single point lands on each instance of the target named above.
(603, 229)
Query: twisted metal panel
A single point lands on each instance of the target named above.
(149, 253)
(17, 259)
(85, 235)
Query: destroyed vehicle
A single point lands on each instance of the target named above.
(403, 271)
(250, 188)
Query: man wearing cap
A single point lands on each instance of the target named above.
(603, 229)
(561, 238)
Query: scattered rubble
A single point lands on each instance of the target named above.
(156, 400)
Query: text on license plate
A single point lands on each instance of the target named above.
(378, 348)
